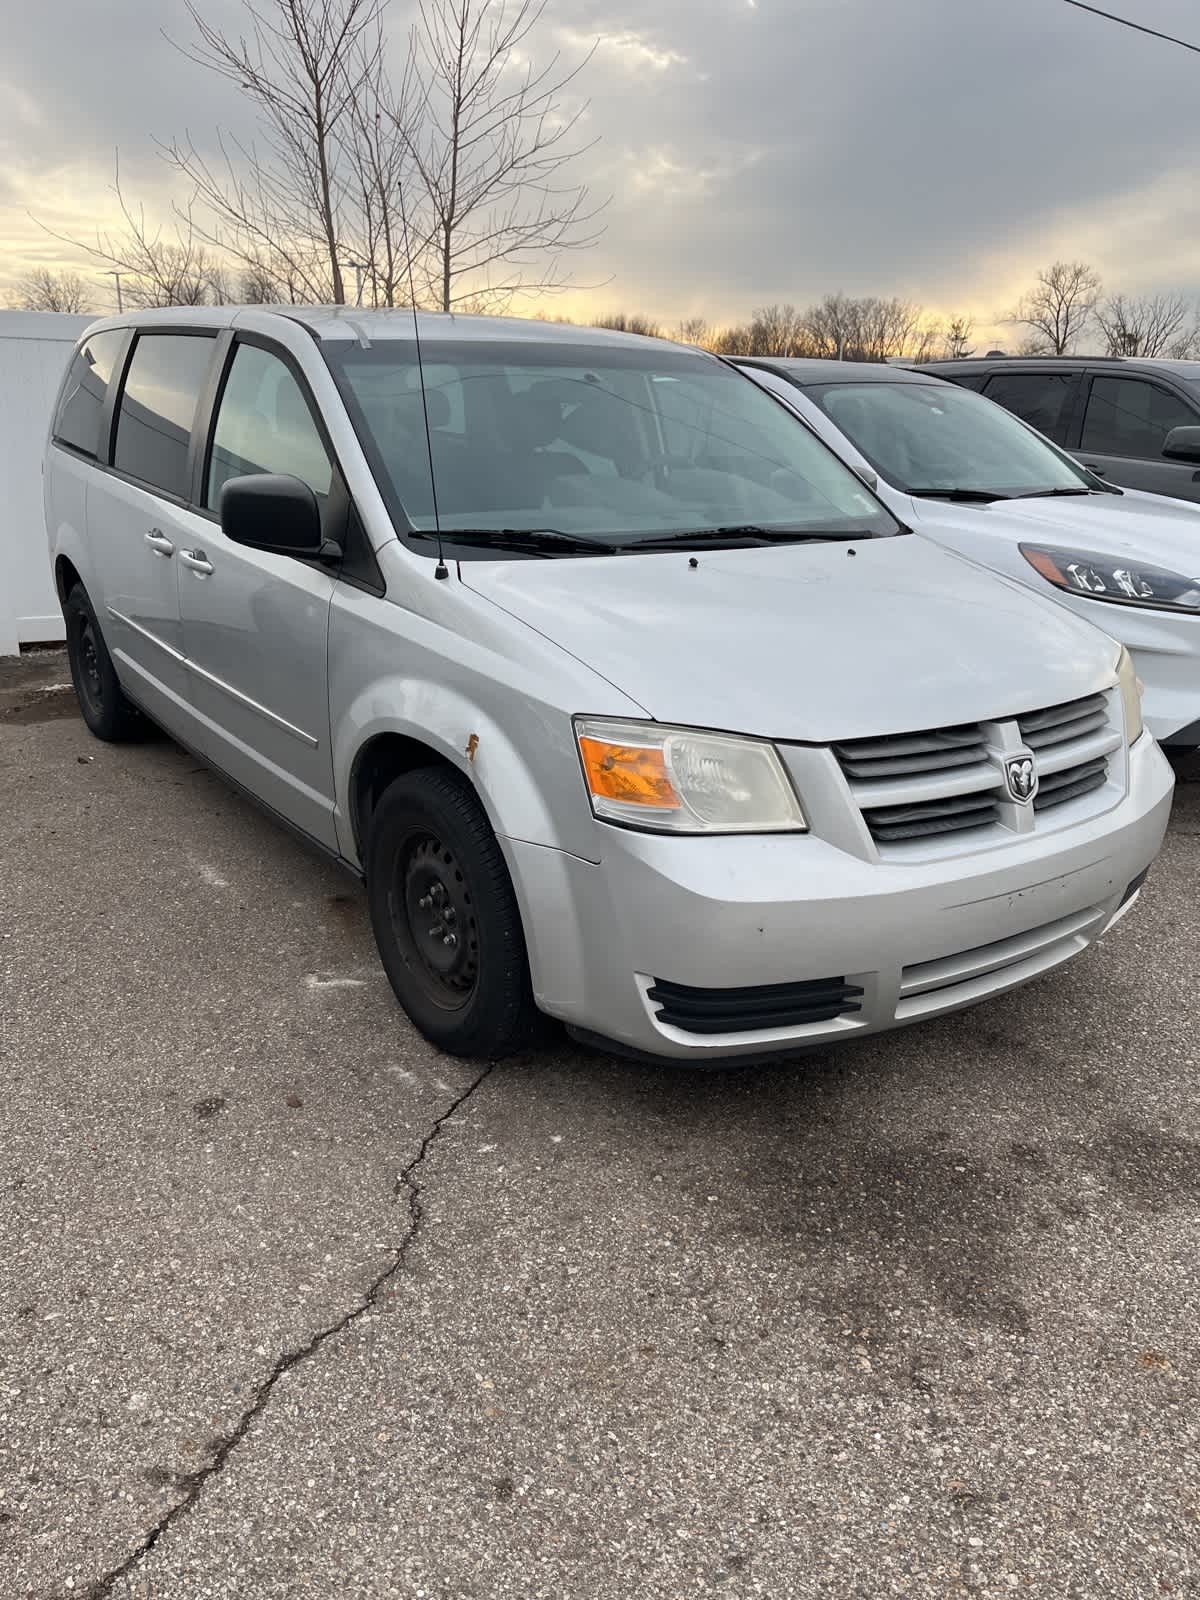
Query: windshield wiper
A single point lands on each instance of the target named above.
(751, 532)
(968, 496)
(538, 541)
(1049, 494)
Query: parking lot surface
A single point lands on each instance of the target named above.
(291, 1305)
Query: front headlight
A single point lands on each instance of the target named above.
(1129, 583)
(1131, 696)
(683, 780)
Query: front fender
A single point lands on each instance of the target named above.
(526, 795)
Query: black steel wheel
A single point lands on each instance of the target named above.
(445, 917)
(103, 703)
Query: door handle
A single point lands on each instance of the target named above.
(196, 561)
(159, 543)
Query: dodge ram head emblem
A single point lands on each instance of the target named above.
(1020, 775)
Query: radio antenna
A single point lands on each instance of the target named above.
(441, 570)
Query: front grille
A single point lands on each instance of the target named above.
(901, 756)
(1070, 783)
(943, 782)
(769, 1005)
(891, 823)
(1057, 724)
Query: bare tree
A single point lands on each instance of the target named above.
(629, 322)
(280, 205)
(956, 340)
(692, 330)
(925, 341)
(734, 341)
(42, 289)
(377, 156)
(1186, 346)
(864, 329)
(780, 330)
(1059, 306)
(489, 142)
(1145, 326)
(160, 267)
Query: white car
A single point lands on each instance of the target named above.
(965, 472)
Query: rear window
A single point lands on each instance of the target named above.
(158, 403)
(83, 396)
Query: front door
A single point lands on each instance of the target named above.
(1124, 429)
(256, 624)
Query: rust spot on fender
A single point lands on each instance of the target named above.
(472, 746)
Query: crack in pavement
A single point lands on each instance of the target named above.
(196, 1481)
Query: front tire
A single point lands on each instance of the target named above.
(103, 704)
(445, 917)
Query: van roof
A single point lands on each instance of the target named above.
(361, 323)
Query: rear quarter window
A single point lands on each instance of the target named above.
(77, 422)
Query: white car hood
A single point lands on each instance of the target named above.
(806, 642)
(1143, 527)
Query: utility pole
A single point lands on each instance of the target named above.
(120, 303)
(359, 268)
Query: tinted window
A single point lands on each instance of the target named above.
(1039, 398)
(616, 441)
(1126, 417)
(157, 405)
(78, 419)
(264, 425)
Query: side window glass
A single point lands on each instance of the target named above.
(1038, 398)
(1126, 417)
(158, 403)
(264, 425)
(84, 393)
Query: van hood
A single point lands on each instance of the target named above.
(812, 642)
(1145, 527)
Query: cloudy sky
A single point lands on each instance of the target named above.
(755, 150)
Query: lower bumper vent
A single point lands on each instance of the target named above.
(769, 1005)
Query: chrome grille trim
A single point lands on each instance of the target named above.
(949, 781)
(1057, 724)
(905, 754)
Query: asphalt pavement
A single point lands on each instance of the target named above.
(293, 1306)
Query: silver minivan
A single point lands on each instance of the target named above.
(628, 699)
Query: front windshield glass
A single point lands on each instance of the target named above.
(930, 438)
(617, 443)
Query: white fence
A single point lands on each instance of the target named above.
(34, 348)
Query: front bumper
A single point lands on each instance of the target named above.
(918, 937)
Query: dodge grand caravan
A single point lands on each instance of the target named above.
(628, 699)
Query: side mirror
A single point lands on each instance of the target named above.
(869, 476)
(1182, 444)
(268, 511)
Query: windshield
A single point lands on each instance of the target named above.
(613, 443)
(930, 438)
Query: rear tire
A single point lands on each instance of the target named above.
(103, 704)
(445, 917)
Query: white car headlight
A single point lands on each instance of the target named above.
(683, 780)
(1131, 695)
(1125, 582)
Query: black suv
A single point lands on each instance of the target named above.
(1135, 422)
